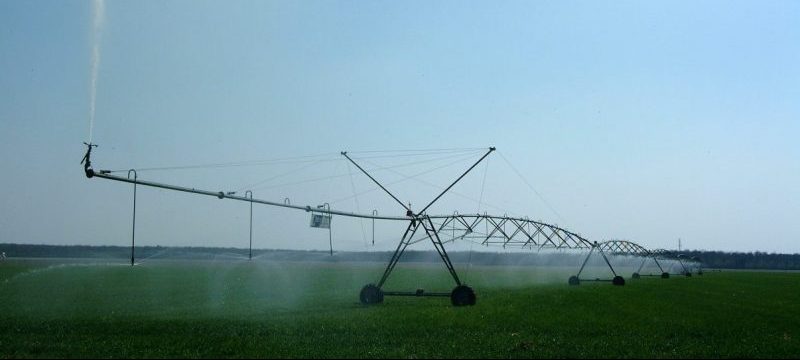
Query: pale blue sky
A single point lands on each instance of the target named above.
(647, 121)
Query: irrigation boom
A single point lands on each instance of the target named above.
(223, 195)
(483, 229)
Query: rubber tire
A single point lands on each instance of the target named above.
(636, 275)
(665, 275)
(371, 294)
(573, 280)
(688, 274)
(462, 295)
(700, 272)
(618, 281)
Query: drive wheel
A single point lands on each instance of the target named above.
(573, 280)
(371, 294)
(462, 295)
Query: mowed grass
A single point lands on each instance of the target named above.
(83, 309)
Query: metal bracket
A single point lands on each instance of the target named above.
(87, 160)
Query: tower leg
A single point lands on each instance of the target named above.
(373, 294)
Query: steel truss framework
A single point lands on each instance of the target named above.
(617, 248)
(686, 266)
(480, 229)
(483, 229)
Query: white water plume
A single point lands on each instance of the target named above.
(98, 18)
(36, 271)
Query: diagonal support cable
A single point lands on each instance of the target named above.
(491, 149)
(344, 153)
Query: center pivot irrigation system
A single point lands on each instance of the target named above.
(483, 228)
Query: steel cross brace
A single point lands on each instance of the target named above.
(417, 220)
(437, 243)
(686, 271)
(431, 233)
(639, 271)
(401, 248)
(605, 258)
(672, 265)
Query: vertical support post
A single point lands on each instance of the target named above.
(133, 227)
(249, 194)
(374, 213)
(330, 225)
(503, 231)
(486, 226)
(455, 215)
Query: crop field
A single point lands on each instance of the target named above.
(90, 308)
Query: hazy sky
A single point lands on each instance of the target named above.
(642, 120)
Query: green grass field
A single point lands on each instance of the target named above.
(266, 309)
